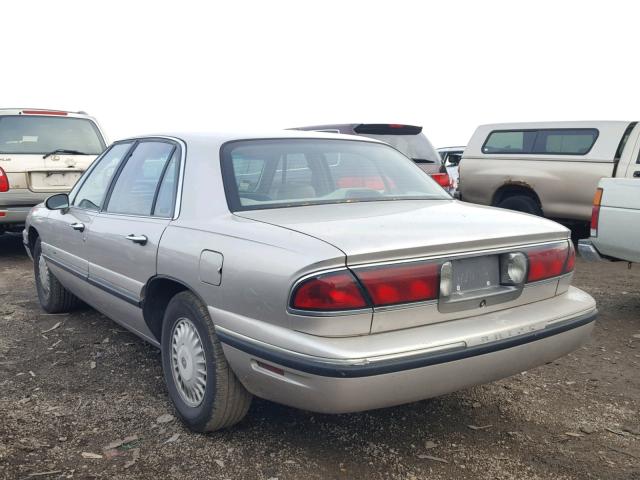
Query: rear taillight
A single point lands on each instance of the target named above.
(329, 292)
(4, 181)
(548, 262)
(394, 284)
(441, 179)
(595, 212)
(57, 113)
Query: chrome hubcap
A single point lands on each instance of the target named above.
(188, 363)
(43, 271)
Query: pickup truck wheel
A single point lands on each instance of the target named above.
(205, 391)
(53, 297)
(521, 203)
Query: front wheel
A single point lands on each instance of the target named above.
(205, 391)
(53, 297)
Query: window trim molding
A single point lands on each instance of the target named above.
(538, 130)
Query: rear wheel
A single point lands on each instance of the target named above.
(205, 391)
(521, 203)
(53, 297)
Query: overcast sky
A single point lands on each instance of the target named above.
(448, 66)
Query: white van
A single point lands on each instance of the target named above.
(42, 152)
(546, 168)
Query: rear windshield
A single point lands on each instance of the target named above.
(561, 141)
(416, 147)
(43, 134)
(279, 173)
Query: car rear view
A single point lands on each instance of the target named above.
(41, 152)
(408, 139)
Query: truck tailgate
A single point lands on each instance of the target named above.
(619, 223)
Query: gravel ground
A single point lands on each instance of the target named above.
(81, 398)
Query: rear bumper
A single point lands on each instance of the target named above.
(588, 251)
(10, 216)
(16, 204)
(338, 385)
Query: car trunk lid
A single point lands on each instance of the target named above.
(370, 232)
(385, 233)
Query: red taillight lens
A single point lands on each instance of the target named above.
(595, 212)
(4, 181)
(330, 291)
(44, 112)
(401, 284)
(547, 262)
(441, 179)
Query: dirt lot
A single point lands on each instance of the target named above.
(71, 385)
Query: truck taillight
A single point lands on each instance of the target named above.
(390, 285)
(4, 181)
(549, 262)
(595, 212)
(328, 292)
(441, 179)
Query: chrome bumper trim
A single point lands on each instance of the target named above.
(366, 367)
(588, 251)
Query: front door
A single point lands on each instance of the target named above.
(65, 231)
(122, 244)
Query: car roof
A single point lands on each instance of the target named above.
(560, 124)
(224, 137)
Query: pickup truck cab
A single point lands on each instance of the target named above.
(549, 169)
(615, 222)
(42, 152)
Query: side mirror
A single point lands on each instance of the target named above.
(59, 201)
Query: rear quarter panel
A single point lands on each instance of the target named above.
(564, 186)
(261, 262)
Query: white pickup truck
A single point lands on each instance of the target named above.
(615, 221)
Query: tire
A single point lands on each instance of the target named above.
(206, 404)
(53, 297)
(521, 203)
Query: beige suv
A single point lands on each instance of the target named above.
(42, 152)
(546, 168)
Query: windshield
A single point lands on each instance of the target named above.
(42, 134)
(416, 147)
(262, 174)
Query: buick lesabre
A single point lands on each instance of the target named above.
(321, 271)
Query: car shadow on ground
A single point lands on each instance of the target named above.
(11, 246)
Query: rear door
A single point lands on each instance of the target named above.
(124, 237)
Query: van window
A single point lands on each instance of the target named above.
(42, 134)
(561, 141)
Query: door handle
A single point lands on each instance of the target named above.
(77, 226)
(636, 174)
(139, 239)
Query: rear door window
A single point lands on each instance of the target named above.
(135, 189)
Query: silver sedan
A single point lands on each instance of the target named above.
(320, 271)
